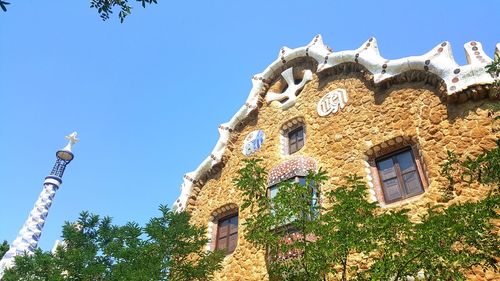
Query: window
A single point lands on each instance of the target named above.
(227, 234)
(295, 140)
(219, 221)
(293, 134)
(399, 176)
(287, 230)
(273, 190)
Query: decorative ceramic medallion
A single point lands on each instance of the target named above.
(332, 102)
(253, 142)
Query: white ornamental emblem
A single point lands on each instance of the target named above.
(332, 102)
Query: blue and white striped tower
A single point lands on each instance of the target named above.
(27, 239)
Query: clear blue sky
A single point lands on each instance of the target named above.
(147, 96)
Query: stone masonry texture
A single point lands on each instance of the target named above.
(340, 143)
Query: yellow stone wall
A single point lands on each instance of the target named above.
(339, 143)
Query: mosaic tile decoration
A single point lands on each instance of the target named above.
(27, 239)
(439, 61)
(30, 233)
(299, 166)
(253, 142)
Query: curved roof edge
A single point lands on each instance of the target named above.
(438, 61)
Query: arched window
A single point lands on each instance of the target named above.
(293, 170)
(396, 170)
(399, 176)
(227, 233)
(292, 136)
(223, 229)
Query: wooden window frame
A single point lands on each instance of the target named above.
(290, 136)
(399, 176)
(227, 234)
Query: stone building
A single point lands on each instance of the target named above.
(391, 121)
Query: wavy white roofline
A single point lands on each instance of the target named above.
(438, 61)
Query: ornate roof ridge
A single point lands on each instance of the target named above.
(439, 61)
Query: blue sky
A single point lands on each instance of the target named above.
(146, 96)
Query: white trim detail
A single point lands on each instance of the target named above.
(291, 92)
(52, 181)
(27, 239)
(438, 61)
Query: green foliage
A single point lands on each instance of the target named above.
(352, 225)
(485, 168)
(456, 238)
(105, 7)
(441, 246)
(178, 248)
(305, 241)
(285, 226)
(167, 248)
(494, 69)
(252, 182)
(4, 247)
(3, 5)
(392, 231)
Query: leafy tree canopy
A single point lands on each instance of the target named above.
(106, 7)
(346, 236)
(167, 248)
(4, 247)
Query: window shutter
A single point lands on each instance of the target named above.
(399, 176)
(295, 140)
(227, 234)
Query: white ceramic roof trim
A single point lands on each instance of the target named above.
(441, 63)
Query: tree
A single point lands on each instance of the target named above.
(445, 243)
(4, 247)
(352, 226)
(308, 241)
(494, 69)
(285, 225)
(460, 236)
(106, 7)
(484, 168)
(167, 248)
(3, 5)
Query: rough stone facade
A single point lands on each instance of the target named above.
(374, 119)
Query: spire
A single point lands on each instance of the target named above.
(64, 156)
(27, 240)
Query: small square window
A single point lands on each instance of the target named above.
(295, 140)
(399, 176)
(227, 234)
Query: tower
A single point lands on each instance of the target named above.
(27, 239)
